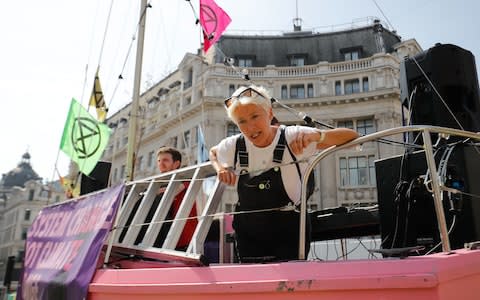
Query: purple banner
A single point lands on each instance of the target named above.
(63, 246)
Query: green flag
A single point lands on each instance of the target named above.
(84, 138)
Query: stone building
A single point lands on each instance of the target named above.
(344, 78)
(22, 195)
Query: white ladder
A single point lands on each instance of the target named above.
(142, 193)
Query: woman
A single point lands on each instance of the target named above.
(259, 157)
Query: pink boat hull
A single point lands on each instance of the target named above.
(454, 275)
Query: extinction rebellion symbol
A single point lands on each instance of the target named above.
(210, 20)
(85, 137)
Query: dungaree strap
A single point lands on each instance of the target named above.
(295, 160)
(241, 152)
(278, 152)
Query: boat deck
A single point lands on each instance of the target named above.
(451, 275)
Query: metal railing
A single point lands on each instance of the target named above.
(143, 192)
(139, 203)
(425, 131)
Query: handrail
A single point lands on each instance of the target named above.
(425, 130)
(132, 239)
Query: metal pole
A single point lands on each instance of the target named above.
(442, 224)
(132, 129)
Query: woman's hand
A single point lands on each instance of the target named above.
(224, 174)
(303, 139)
(227, 175)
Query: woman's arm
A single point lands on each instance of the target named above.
(337, 136)
(323, 138)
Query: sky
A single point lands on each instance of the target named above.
(50, 50)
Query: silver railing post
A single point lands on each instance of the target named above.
(442, 224)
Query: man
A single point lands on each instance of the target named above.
(169, 159)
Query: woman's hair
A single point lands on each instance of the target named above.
(259, 96)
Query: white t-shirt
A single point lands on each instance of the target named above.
(261, 159)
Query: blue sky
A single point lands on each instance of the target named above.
(51, 49)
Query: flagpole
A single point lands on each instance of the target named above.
(132, 129)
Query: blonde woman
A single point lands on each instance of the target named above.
(256, 160)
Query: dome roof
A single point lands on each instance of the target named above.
(21, 174)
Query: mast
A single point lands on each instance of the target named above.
(132, 129)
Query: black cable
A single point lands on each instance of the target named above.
(409, 199)
(397, 193)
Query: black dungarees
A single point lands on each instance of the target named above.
(265, 236)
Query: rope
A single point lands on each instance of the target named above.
(381, 11)
(282, 208)
(120, 76)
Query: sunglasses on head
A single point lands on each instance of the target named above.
(247, 92)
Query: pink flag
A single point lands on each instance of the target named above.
(214, 21)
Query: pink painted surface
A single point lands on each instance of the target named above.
(439, 276)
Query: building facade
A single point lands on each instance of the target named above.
(346, 78)
(22, 195)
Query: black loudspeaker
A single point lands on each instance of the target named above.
(9, 271)
(406, 208)
(452, 71)
(97, 180)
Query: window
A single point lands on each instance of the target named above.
(357, 171)
(245, 62)
(162, 92)
(186, 139)
(232, 129)
(150, 158)
(310, 90)
(231, 89)
(351, 55)
(31, 193)
(365, 126)
(24, 233)
(175, 142)
(365, 84)
(297, 61)
(27, 215)
(284, 92)
(345, 124)
(352, 86)
(188, 82)
(338, 87)
(140, 163)
(123, 122)
(188, 101)
(152, 102)
(122, 171)
(115, 175)
(20, 255)
(297, 92)
(194, 140)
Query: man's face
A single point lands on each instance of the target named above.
(165, 162)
